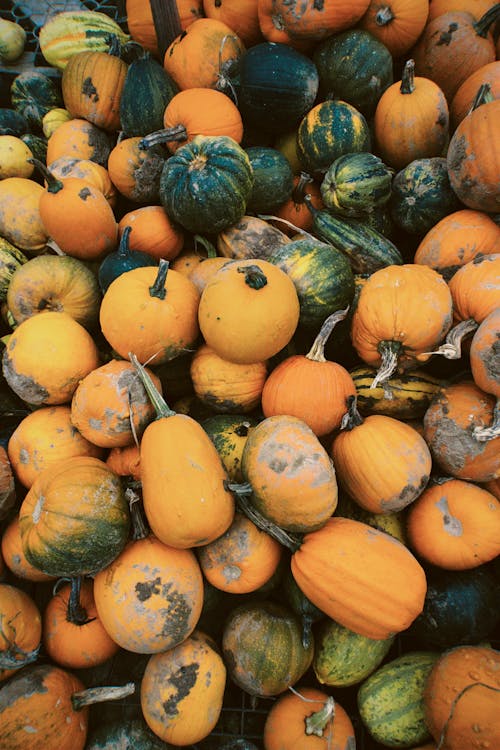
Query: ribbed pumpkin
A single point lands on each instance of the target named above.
(149, 598)
(455, 525)
(355, 184)
(396, 23)
(87, 170)
(313, 22)
(21, 629)
(75, 534)
(483, 359)
(248, 311)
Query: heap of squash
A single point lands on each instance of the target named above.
(250, 286)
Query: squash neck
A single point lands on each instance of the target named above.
(408, 78)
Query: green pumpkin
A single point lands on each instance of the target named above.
(329, 130)
(33, 94)
(365, 247)
(12, 122)
(322, 276)
(355, 67)
(391, 700)
(275, 86)
(422, 195)
(129, 734)
(146, 93)
(206, 184)
(356, 183)
(343, 658)
(273, 179)
(37, 144)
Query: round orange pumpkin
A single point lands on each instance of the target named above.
(152, 232)
(396, 23)
(79, 139)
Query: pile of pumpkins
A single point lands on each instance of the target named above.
(250, 289)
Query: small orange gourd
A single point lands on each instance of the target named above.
(20, 220)
(152, 232)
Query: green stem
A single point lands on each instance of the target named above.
(123, 247)
(352, 418)
(76, 613)
(210, 249)
(160, 405)
(299, 191)
(317, 350)
(158, 289)
(176, 133)
(276, 532)
(483, 96)
(115, 46)
(408, 78)
(53, 183)
(255, 277)
(482, 26)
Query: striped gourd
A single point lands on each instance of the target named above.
(404, 396)
(356, 183)
(66, 33)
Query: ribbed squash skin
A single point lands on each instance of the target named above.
(411, 393)
(146, 92)
(33, 94)
(356, 183)
(205, 185)
(391, 700)
(273, 178)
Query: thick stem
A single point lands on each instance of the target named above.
(124, 247)
(161, 407)
(408, 78)
(488, 433)
(317, 350)
(90, 696)
(210, 249)
(483, 25)
(276, 532)
(53, 183)
(316, 723)
(176, 133)
(115, 46)
(158, 289)
(299, 190)
(298, 230)
(384, 16)
(167, 23)
(452, 347)
(352, 418)
(76, 614)
(483, 96)
(389, 352)
(255, 277)
(140, 529)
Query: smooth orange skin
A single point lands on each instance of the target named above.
(242, 559)
(465, 94)
(240, 15)
(284, 728)
(296, 211)
(79, 139)
(125, 461)
(14, 557)
(476, 7)
(187, 716)
(484, 367)
(455, 525)
(203, 272)
(345, 568)
(185, 499)
(141, 26)
(403, 30)
(72, 645)
(21, 625)
(475, 289)
(142, 623)
(152, 232)
(20, 220)
(85, 169)
(44, 437)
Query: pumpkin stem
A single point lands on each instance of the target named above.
(140, 528)
(352, 418)
(442, 738)
(14, 657)
(389, 352)
(76, 614)
(167, 23)
(211, 251)
(53, 183)
(483, 96)
(384, 16)
(266, 217)
(123, 247)
(452, 347)
(299, 190)
(176, 133)
(482, 26)
(255, 277)
(276, 532)
(99, 694)
(316, 722)
(161, 407)
(317, 350)
(488, 433)
(158, 288)
(408, 78)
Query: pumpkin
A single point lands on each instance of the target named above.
(449, 430)
(392, 340)
(73, 635)
(396, 23)
(462, 699)
(122, 260)
(87, 170)
(241, 16)
(403, 397)
(152, 312)
(262, 647)
(136, 171)
(454, 45)
(354, 66)
(273, 178)
(196, 111)
(46, 356)
(309, 386)
(476, 7)
(77, 216)
(298, 719)
(54, 283)
(356, 183)
(392, 523)
(21, 630)
(149, 598)
(8, 495)
(202, 272)
(52, 119)
(12, 40)
(313, 23)
(248, 311)
(110, 407)
(291, 477)
(182, 690)
(42, 438)
(74, 535)
(126, 461)
(131, 734)
(473, 174)
(19, 200)
(13, 555)
(154, 27)
(411, 120)
(294, 213)
(463, 100)
(79, 139)
(229, 432)
(484, 362)
(12, 122)
(250, 237)
(33, 94)
(14, 156)
(186, 500)
(455, 525)
(329, 130)
(152, 232)
(457, 239)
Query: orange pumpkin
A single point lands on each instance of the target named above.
(20, 220)
(88, 170)
(8, 495)
(295, 210)
(14, 557)
(307, 719)
(126, 462)
(411, 120)
(476, 7)
(135, 171)
(240, 15)
(242, 560)
(396, 23)
(143, 29)
(73, 635)
(152, 232)
(484, 364)
(44, 437)
(149, 598)
(79, 139)
(21, 630)
(312, 22)
(455, 525)
(462, 698)
(463, 100)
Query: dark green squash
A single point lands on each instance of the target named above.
(37, 144)
(122, 260)
(295, 598)
(273, 179)
(275, 86)
(146, 92)
(129, 734)
(322, 275)
(366, 249)
(12, 122)
(33, 94)
(355, 184)
(422, 195)
(329, 130)
(355, 67)
(206, 184)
